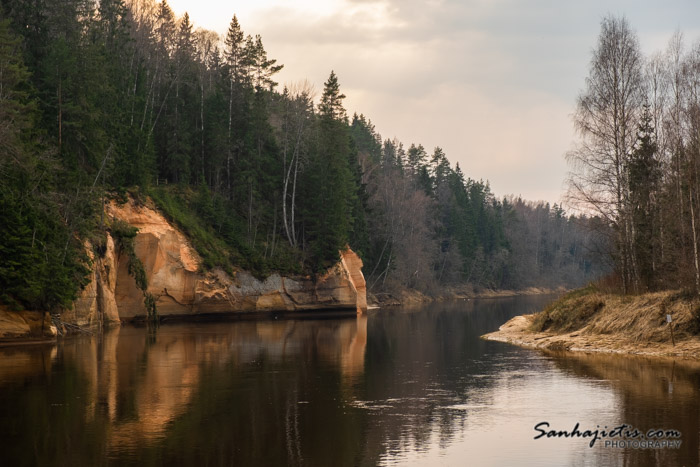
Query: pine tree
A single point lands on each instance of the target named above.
(416, 158)
(182, 120)
(42, 264)
(261, 68)
(234, 51)
(331, 187)
(236, 77)
(644, 179)
(440, 167)
(331, 106)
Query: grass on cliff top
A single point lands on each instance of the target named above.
(218, 234)
(570, 313)
(213, 251)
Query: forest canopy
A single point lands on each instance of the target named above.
(103, 98)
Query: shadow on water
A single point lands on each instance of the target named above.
(413, 386)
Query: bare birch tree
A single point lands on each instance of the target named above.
(293, 128)
(691, 148)
(606, 119)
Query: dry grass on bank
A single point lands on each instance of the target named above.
(640, 318)
(590, 321)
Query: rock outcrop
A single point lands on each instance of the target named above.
(180, 287)
(97, 302)
(25, 325)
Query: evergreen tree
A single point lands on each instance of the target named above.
(644, 179)
(236, 73)
(331, 188)
(416, 158)
(366, 139)
(43, 263)
(440, 167)
(261, 68)
(120, 94)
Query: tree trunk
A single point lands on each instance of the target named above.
(695, 240)
(60, 117)
(201, 120)
(230, 142)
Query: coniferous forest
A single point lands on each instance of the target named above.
(112, 98)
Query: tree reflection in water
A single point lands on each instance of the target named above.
(401, 386)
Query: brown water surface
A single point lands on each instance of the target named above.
(411, 386)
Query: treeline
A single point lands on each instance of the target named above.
(431, 226)
(637, 163)
(104, 97)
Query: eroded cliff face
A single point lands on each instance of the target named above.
(180, 287)
(97, 302)
(25, 325)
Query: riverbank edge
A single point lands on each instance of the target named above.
(412, 296)
(35, 327)
(626, 325)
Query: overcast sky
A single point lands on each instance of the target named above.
(492, 82)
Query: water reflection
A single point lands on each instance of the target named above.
(654, 393)
(127, 395)
(402, 387)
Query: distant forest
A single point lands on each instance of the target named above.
(109, 99)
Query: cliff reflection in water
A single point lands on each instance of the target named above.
(400, 387)
(289, 392)
(224, 392)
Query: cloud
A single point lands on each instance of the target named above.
(493, 82)
(444, 76)
(519, 148)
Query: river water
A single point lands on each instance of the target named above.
(399, 387)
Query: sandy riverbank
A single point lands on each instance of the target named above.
(592, 322)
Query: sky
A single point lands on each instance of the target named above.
(492, 82)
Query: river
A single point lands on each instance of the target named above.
(399, 387)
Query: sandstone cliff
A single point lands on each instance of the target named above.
(25, 325)
(97, 302)
(181, 288)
